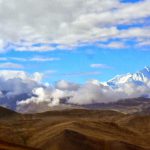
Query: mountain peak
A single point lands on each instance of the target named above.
(141, 76)
(144, 73)
(145, 70)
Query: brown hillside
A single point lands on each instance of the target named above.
(76, 129)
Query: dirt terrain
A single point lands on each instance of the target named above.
(76, 129)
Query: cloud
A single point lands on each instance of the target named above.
(37, 76)
(16, 58)
(37, 58)
(16, 85)
(42, 59)
(143, 43)
(88, 93)
(26, 93)
(10, 65)
(93, 91)
(44, 99)
(3, 59)
(103, 66)
(31, 48)
(99, 93)
(11, 74)
(55, 24)
(113, 45)
(64, 85)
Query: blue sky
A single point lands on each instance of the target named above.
(89, 43)
(79, 61)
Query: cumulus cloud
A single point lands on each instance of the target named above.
(64, 85)
(18, 82)
(55, 24)
(12, 74)
(94, 91)
(37, 76)
(43, 99)
(40, 97)
(16, 85)
(88, 93)
(99, 93)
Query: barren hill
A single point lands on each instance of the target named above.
(76, 129)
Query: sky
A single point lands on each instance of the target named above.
(54, 49)
(75, 40)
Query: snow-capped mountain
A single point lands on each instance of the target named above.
(140, 77)
(93, 92)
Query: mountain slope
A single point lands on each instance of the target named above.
(139, 105)
(76, 129)
(10, 146)
(139, 78)
(4, 112)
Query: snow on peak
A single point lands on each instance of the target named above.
(145, 72)
(139, 77)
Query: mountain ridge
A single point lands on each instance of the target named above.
(139, 77)
(75, 129)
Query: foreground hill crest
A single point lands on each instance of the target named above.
(74, 129)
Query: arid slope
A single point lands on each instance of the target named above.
(75, 129)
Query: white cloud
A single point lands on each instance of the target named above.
(10, 65)
(18, 82)
(42, 97)
(37, 58)
(143, 42)
(37, 76)
(16, 85)
(43, 59)
(93, 91)
(16, 58)
(114, 45)
(103, 66)
(31, 48)
(64, 85)
(3, 59)
(88, 93)
(139, 33)
(12, 74)
(99, 93)
(9, 74)
(54, 24)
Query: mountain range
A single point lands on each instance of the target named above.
(122, 88)
(117, 125)
(139, 78)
